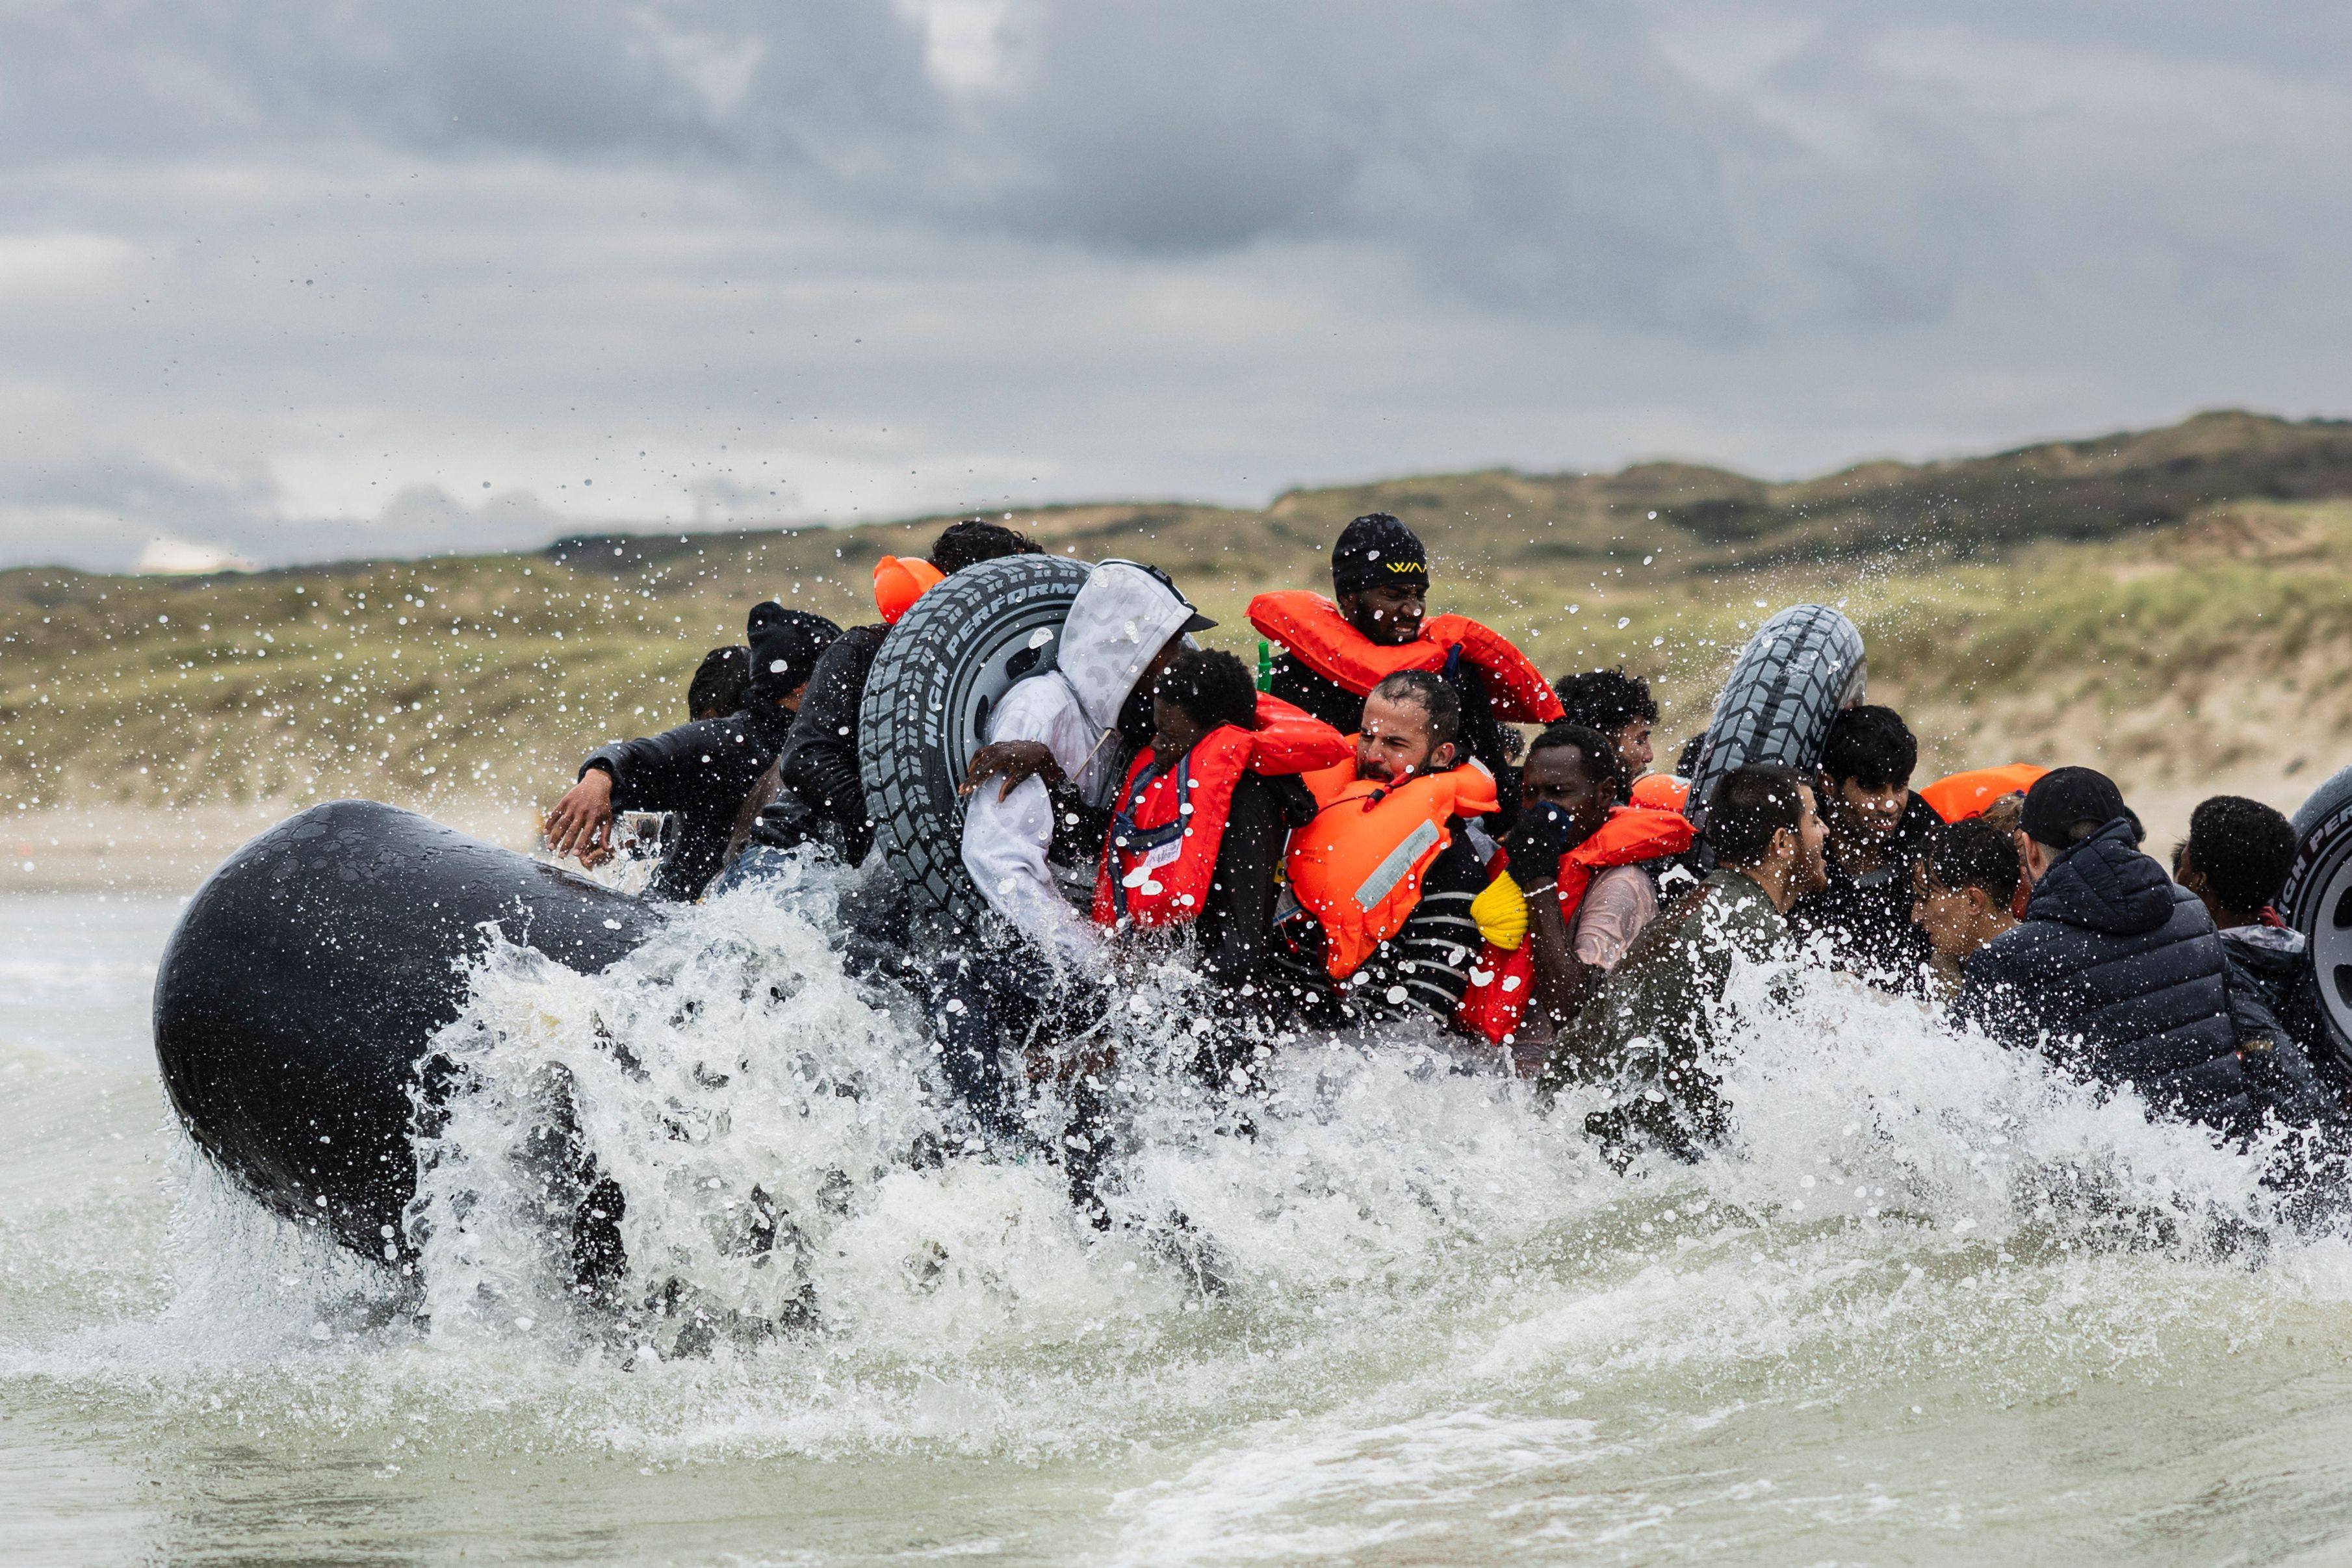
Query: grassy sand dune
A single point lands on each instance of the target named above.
(2174, 606)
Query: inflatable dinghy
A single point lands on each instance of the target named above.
(937, 680)
(297, 1001)
(1796, 673)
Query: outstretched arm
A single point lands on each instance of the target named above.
(580, 822)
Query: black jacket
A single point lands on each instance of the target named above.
(1867, 920)
(701, 771)
(2117, 972)
(819, 764)
(2275, 962)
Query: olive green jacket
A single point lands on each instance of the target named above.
(1649, 1030)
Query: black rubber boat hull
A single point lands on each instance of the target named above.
(299, 997)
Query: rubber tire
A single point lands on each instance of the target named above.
(936, 681)
(2317, 898)
(298, 999)
(1788, 686)
(2334, 792)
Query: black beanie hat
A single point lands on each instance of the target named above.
(1376, 551)
(785, 645)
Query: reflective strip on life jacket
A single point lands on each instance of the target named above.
(1311, 627)
(1425, 839)
(1966, 795)
(1501, 982)
(1358, 866)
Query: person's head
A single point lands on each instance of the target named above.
(1380, 575)
(1413, 725)
(975, 540)
(719, 684)
(1575, 768)
(1201, 689)
(1967, 887)
(2066, 806)
(1762, 819)
(785, 646)
(1620, 707)
(2236, 858)
(2006, 813)
(1866, 766)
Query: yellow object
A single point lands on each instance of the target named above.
(1501, 912)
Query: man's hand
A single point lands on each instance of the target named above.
(1016, 761)
(581, 823)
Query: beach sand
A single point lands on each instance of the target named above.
(171, 848)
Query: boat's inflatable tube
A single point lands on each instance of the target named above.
(2317, 898)
(936, 680)
(301, 993)
(1800, 668)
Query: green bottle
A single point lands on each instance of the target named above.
(1265, 665)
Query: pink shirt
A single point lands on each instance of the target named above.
(1617, 907)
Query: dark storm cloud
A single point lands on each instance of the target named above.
(1535, 156)
(301, 279)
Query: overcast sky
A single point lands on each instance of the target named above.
(315, 279)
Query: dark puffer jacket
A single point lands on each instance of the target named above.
(2117, 972)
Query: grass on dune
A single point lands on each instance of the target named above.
(494, 675)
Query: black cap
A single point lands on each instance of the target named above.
(2065, 796)
(785, 645)
(1376, 551)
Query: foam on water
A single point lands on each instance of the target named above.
(1391, 1274)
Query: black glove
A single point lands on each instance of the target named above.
(1543, 833)
(1293, 802)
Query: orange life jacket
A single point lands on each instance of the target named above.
(898, 583)
(1311, 627)
(1358, 866)
(1660, 791)
(1966, 795)
(1162, 852)
(1502, 981)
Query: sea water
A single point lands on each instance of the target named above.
(1929, 1305)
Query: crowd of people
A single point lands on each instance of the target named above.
(1372, 840)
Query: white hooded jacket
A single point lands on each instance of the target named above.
(1119, 622)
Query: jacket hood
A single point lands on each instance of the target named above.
(1121, 618)
(2106, 885)
(2267, 949)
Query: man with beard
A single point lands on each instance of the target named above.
(1377, 624)
(1652, 1029)
(1386, 871)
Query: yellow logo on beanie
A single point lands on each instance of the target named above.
(1403, 566)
